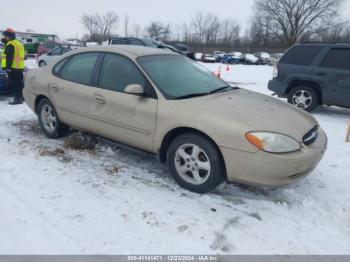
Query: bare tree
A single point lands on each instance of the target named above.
(212, 27)
(100, 25)
(186, 32)
(206, 28)
(126, 25)
(199, 27)
(137, 30)
(230, 31)
(158, 31)
(339, 32)
(89, 23)
(292, 19)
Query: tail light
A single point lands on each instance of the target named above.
(275, 72)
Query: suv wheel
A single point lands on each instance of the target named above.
(195, 163)
(42, 64)
(304, 97)
(49, 121)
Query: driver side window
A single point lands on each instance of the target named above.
(117, 72)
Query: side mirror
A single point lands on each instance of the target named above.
(134, 89)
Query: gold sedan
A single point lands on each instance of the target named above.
(166, 104)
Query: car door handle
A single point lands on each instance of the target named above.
(100, 99)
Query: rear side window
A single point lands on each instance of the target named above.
(135, 42)
(79, 68)
(56, 51)
(301, 55)
(338, 58)
(58, 67)
(117, 72)
(119, 42)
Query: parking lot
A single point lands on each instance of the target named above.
(72, 198)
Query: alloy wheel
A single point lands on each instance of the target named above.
(192, 164)
(49, 118)
(302, 99)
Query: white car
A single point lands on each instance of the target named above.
(209, 58)
(263, 58)
(236, 54)
(274, 59)
(249, 59)
(219, 55)
(46, 58)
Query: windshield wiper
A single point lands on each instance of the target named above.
(223, 89)
(219, 90)
(191, 96)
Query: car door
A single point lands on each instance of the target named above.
(126, 118)
(334, 71)
(72, 90)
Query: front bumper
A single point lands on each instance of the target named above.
(273, 170)
(278, 87)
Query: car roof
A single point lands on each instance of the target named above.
(132, 51)
(337, 44)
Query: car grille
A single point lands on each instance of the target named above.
(311, 136)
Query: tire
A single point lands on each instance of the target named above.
(49, 121)
(42, 64)
(201, 172)
(304, 97)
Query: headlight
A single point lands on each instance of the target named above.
(273, 142)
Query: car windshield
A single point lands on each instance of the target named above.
(179, 77)
(150, 42)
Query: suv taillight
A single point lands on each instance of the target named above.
(275, 72)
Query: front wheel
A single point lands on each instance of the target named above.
(195, 163)
(304, 97)
(49, 121)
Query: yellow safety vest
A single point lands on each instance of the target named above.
(18, 58)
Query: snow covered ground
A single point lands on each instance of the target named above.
(55, 199)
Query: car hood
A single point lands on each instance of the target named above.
(252, 112)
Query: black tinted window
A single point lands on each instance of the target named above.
(79, 68)
(119, 42)
(135, 42)
(301, 55)
(337, 58)
(117, 72)
(56, 51)
(65, 50)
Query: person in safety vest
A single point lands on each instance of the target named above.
(12, 61)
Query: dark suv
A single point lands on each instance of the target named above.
(151, 43)
(312, 74)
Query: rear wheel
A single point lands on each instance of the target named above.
(304, 97)
(49, 121)
(42, 64)
(195, 163)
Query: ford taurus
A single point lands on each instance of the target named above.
(164, 103)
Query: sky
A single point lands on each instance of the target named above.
(63, 17)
